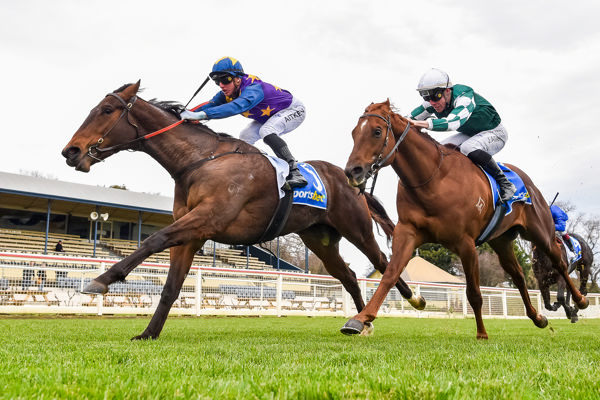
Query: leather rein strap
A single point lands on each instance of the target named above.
(94, 150)
(378, 164)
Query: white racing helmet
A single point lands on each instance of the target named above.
(433, 83)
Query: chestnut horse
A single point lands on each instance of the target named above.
(225, 190)
(444, 198)
(546, 276)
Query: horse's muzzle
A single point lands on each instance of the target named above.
(356, 175)
(75, 158)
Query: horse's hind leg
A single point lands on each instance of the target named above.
(504, 249)
(181, 261)
(553, 251)
(324, 242)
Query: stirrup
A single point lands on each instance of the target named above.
(295, 179)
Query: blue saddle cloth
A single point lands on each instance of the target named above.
(520, 195)
(576, 256)
(314, 194)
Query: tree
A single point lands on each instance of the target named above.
(292, 250)
(439, 256)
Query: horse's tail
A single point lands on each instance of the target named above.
(380, 216)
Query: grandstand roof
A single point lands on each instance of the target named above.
(33, 193)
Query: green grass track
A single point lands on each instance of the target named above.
(296, 358)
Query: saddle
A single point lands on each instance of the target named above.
(502, 209)
(313, 195)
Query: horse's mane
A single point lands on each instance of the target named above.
(393, 110)
(175, 108)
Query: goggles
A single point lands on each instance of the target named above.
(223, 79)
(433, 94)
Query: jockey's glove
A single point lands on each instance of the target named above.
(193, 116)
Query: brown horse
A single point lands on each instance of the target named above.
(546, 276)
(225, 190)
(444, 198)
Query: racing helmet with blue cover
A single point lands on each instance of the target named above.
(433, 83)
(225, 69)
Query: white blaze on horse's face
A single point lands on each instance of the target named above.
(364, 124)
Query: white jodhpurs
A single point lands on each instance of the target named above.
(491, 141)
(281, 123)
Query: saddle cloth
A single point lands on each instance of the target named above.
(520, 195)
(576, 256)
(314, 194)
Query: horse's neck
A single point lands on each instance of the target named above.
(418, 158)
(183, 145)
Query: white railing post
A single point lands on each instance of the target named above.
(504, 305)
(363, 289)
(198, 291)
(279, 293)
(99, 297)
(464, 293)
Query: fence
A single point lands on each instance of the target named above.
(31, 283)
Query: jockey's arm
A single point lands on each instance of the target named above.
(249, 98)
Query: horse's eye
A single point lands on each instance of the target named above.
(377, 132)
(106, 110)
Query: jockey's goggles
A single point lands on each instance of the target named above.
(432, 95)
(223, 79)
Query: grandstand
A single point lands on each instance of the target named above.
(36, 212)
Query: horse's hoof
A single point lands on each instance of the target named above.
(418, 303)
(574, 319)
(143, 337)
(541, 321)
(95, 287)
(352, 327)
(584, 303)
(368, 329)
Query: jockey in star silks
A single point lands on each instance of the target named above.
(274, 111)
(459, 108)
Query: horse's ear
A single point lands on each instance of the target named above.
(131, 90)
(387, 102)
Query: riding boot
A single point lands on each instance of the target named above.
(279, 147)
(567, 240)
(485, 161)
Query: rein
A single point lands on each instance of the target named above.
(378, 164)
(93, 150)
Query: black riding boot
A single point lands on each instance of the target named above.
(295, 178)
(485, 161)
(567, 240)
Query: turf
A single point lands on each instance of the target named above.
(296, 358)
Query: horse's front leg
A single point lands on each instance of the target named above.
(402, 248)
(179, 232)
(181, 261)
(468, 256)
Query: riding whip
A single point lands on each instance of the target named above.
(554, 199)
(196, 92)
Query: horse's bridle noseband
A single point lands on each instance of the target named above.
(380, 161)
(93, 150)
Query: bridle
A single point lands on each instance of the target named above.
(94, 150)
(380, 161)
